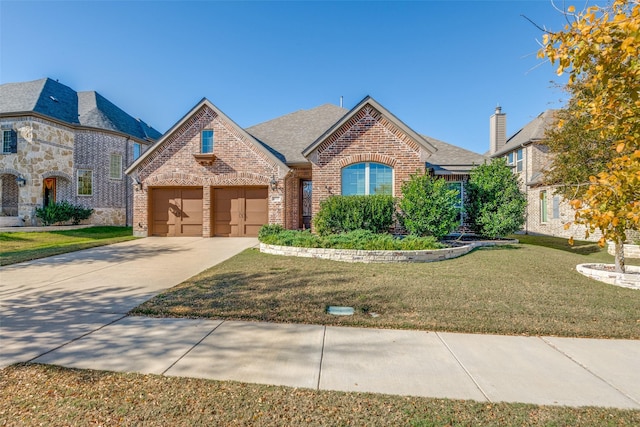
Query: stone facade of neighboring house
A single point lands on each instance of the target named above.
(547, 212)
(59, 144)
(208, 177)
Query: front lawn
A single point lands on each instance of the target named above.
(34, 395)
(529, 289)
(21, 246)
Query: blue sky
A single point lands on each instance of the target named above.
(440, 66)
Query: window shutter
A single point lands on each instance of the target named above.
(13, 141)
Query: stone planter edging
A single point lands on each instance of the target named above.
(630, 279)
(630, 251)
(356, 255)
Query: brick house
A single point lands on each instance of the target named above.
(59, 144)
(207, 176)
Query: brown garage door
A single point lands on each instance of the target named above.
(176, 211)
(239, 211)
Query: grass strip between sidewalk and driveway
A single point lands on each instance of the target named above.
(520, 289)
(19, 246)
(33, 395)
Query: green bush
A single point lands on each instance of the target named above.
(494, 204)
(341, 214)
(61, 212)
(428, 206)
(357, 239)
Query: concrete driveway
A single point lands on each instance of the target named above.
(50, 302)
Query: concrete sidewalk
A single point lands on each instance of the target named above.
(70, 310)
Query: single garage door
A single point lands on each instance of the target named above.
(239, 211)
(176, 211)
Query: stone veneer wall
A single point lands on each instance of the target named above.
(44, 148)
(354, 255)
(238, 163)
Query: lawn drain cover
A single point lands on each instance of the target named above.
(340, 311)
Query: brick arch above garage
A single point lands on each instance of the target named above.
(185, 179)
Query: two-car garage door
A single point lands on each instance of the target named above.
(236, 211)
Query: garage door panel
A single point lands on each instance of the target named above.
(239, 211)
(176, 211)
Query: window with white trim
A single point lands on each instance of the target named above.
(85, 182)
(115, 166)
(367, 179)
(516, 158)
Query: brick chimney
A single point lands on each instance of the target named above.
(497, 131)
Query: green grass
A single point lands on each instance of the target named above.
(20, 246)
(34, 395)
(523, 289)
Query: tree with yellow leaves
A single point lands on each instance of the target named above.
(599, 48)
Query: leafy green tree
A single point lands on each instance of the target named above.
(494, 204)
(428, 206)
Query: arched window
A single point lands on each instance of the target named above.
(367, 178)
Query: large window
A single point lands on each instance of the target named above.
(206, 146)
(115, 166)
(85, 182)
(367, 178)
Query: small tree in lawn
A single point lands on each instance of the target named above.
(494, 204)
(428, 206)
(599, 48)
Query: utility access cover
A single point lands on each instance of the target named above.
(340, 311)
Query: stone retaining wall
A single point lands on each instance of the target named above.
(354, 255)
(630, 251)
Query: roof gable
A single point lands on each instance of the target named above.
(369, 102)
(205, 103)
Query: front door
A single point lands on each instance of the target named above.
(305, 204)
(49, 191)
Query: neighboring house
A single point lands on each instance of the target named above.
(207, 176)
(547, 212)
(59, 144)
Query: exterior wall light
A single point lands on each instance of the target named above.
(273, 183)
(21, 181)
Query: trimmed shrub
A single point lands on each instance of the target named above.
(357, 239)
(494, 204)
(428, 206)
(61, 212)
(341, 214)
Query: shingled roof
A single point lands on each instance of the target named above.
(52, 99)
(450, 159)
(290, 134)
